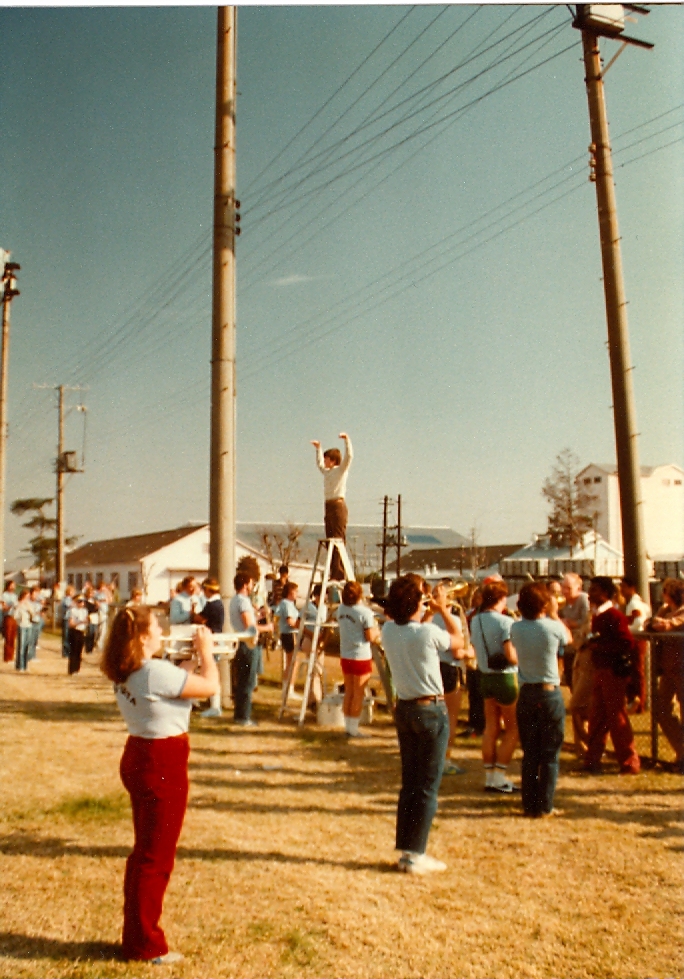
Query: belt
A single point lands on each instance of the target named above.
(337, 499)
(434, 699)
(543, 686)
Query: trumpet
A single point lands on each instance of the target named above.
(180, 645)
(455, 591)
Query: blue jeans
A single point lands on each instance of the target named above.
(65, 638)
(22, 647)
(36, 628)
(423, 731)
(247, 665)
(541, 725)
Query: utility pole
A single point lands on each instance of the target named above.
(9, 291)
(383, 572)
(222, 508)
(624, 409)
(64, 463)
(399, 535)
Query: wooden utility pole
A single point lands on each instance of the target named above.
(399, 536)
(383, 572)
(60, 572)
(624, 410)
(222, 508)
(9, 291)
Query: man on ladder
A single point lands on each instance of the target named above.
(335, 469)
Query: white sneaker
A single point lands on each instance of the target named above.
(212, 712)
(419, 863)
(168, 959)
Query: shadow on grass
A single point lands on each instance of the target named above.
(35, 947)
(26, 844)
(60, 710)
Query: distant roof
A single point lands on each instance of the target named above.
(124, 550)
(454, 559)
(611, 469)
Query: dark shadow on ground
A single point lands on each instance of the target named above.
(25, 844)
(61, 710)
(36, 947)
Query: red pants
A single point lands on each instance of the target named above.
(9, 631)
(155, 775)
(607, 714)
(636, 683)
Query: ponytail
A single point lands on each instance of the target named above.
(123, 652)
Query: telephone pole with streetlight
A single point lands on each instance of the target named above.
(9, 291)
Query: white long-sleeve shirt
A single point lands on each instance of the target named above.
(335, 479)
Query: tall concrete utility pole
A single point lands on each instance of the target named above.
(9, 291)
(222, 505)
(624, 410)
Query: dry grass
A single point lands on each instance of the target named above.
(285, 863)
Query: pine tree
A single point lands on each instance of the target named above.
(570, 518)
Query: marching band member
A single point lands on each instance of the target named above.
(77, 627)
(154, 697)
(358, 629)
(412, 648)
(9, 623)
(335, 470)
(451, 680)
(213, 615)
(247, 659)
(288, 626)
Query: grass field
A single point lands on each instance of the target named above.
(285, 864)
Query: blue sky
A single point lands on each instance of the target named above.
(458, 388)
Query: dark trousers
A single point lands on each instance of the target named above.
(76, 643)
(541, 726)
(423, 731)
(476, 715)
(336, 516)
(607, 715)
(155, 775)
(246, 666)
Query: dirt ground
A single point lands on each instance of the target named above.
(285, 864)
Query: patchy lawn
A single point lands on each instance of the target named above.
(285, 864)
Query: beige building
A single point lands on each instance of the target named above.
(662, 493)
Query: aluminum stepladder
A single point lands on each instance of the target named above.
(327, 546)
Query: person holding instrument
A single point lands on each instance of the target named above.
(335, 470)
(154, 697)
(412, 648)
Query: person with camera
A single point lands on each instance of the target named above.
(539, 640)
(490, 634)
(612, 650)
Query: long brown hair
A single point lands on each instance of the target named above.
(123, 652)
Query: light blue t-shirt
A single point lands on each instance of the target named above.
(538, 643)
(150, 703)
(180, 609)
(412, 651)
(286, 610)
(447, 656)
(497, 630)
(238, 605)
(353, 621)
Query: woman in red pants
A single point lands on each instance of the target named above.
(154, 698)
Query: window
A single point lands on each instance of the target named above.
(79, 581)
(89, 577)
(597, 479)
(587, 481)
(666, 482)
(114, 578)
(132, 581)
(70, 579)
(678, 482)
(99, 578)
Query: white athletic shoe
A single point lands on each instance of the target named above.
(419, 863)
(212, 712)
(168, 959)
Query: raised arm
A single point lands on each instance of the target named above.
(348, 451)
(319, 454)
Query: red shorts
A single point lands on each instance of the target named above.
(357, 667)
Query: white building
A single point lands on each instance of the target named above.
(662, 492)
(156, 562)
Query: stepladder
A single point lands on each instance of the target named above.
(320, 574)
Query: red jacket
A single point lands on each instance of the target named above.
(612, 642)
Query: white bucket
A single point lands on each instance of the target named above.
(329, 712)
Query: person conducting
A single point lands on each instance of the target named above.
(335, 469)
(155, 698)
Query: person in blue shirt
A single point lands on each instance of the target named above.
(539, 642)
(490, 635)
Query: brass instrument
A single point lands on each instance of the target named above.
(180, 644)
